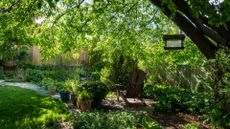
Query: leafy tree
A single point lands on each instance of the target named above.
(205, 22)
(130, 29)
(17, 26)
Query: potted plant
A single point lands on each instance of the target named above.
(8, 59)
(10, 55)
(98, 90)
(52, 89)
(74, 88)
(51, 86)
(65, 91)
(84, 100)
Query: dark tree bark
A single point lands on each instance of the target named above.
(198, 29)
(9, 8)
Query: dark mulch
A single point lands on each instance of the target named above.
(175, 121)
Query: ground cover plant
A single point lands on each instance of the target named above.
(175, 99)
(114, 120)
(26, 109)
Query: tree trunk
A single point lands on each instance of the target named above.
(185, 24)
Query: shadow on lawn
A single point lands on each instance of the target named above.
(22, 108)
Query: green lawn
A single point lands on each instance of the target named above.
(26, 109)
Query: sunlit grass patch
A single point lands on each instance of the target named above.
(23, 108)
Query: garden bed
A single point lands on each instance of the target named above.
(23, 108)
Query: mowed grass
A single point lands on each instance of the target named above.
(26, 109)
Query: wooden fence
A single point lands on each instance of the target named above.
(35, 58)
(184, 76)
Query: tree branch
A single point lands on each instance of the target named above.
(185, 9)
(205, 46)
(10, 7)
(221, 29)
(79, 3)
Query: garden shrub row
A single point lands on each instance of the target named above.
(174, 99)
(36, 74)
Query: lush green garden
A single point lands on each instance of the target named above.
(36, 111)
(122, 53)
(25, 109)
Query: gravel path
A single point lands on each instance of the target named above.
(30, 86)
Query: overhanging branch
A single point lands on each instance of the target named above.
(3, 10)
(185, 9)
(205, 46)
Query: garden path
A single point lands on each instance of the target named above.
(30, 86)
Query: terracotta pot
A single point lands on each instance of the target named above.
(8, 64)
(52, 90)
(85, 105)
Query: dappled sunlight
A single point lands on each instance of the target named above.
(162, 57)
(47, 101)
(27, 109)
(49, 116)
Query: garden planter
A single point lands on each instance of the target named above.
(52, 90)
(65, 96)
(9, 64)
(85, 105)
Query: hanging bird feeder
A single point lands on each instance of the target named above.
(174, 42)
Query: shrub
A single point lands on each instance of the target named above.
(63, 75)
(47, 82)
(19, 75)
(35, 76)
(27, 66)
(60, 75)
(8, 74)
(47, 67)
(173, 99)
